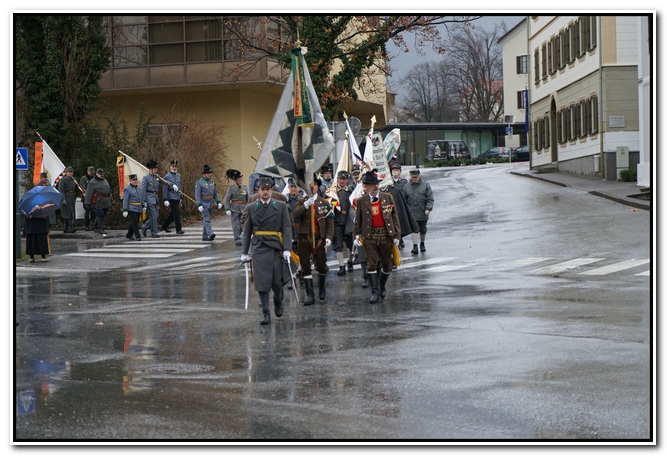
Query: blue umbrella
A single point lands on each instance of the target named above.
(40, 201)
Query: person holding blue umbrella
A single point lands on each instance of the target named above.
(37, 205)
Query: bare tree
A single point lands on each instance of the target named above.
(343, 51)
(476, 58)
(431, 92)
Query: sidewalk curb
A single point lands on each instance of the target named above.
(625, 201)
(560, 184)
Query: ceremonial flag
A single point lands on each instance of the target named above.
(344, 163)
(127, 165)
(391, 143)
(299, 141)
(353, 147)
(380, 161)
(50, 164)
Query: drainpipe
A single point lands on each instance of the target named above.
(603, 170)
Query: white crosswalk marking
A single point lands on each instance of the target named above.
(122, 255)
(426, 262)
(616, 267)
(129, 249)
(517, 264)
(560, 267)
(453, 267)
(195, 262)
(645, 273)
(153, 244)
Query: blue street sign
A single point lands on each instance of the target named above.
(25, 402)
(21, 158)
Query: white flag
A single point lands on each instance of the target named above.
(130, 166)
(51, 165)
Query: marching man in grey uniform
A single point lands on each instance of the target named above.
(133, 205)
(150, 185)
(172, 199)
(98, 197)
(206, 195)
(83, 182)
(235, 201)
(269, 230)
(67, 186)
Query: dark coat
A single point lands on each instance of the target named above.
(406, 220)
(323, 216)
(420, 198)
(267, 250)
(95, 188)
(363, 220)
(67, 187)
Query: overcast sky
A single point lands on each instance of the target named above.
(404, 62)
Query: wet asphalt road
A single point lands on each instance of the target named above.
(516, 323)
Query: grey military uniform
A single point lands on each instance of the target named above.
(236, 199)
(133, 204)
(206, 195)
(150, 185)
(174, 198)
(267, 249)
(98, 196)
(67, 186)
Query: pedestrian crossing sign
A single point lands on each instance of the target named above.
(21, 158)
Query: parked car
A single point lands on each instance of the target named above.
(497, 152)
(522, 153)
(445, 149)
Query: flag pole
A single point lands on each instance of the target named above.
(83, 193)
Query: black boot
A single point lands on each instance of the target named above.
(383, 282)
(341, 270)
(278, 303)
(350, 266)
(422, 247)
(364, 284)
(414, 250)
(310, 292)
(323, 291)
(266, 317)
(375, 296)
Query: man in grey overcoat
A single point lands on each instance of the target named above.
(268, 229)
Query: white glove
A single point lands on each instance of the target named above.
(219, 205)
(244, 258)
(124, 213)
(228, 212)
(396, 242)
(327, 243)
(357, 241)
(166, 203)
(309, 202)
(175, 188)
(287, 255)
(200, 208)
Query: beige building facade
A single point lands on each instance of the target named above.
(584, 107)
(189, 66)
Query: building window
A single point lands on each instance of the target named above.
(521, 99)
(204, 41)
(544, 61)
(536, 135)
(593, 33)
(572, 120)
(593, 114)
(583, 118)
(552, 55)
(163, 40)
(547, 131)
(576, 39)
(537, 65)
(566, 46)
(522, 64)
